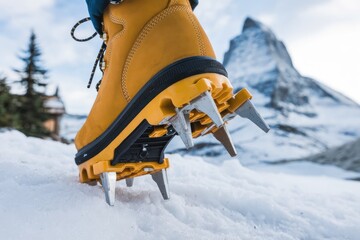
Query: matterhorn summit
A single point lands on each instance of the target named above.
(257, 59)
(305, 116)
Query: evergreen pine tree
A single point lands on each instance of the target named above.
(5, 102)
(9, 104)
(33, 78)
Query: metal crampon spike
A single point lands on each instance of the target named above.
(108, 182)
(162, 181)
(248, 110)
(227, 118)
(129, 182)
(223, 136)
(205, 103)
(181, 124)
(208, 129)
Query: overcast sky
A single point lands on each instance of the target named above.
(322, 37)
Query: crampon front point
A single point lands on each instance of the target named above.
(154, 88)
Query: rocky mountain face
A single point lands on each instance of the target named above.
(346, 156)
(258, 60)
(305, 116)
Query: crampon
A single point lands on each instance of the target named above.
(160, 79)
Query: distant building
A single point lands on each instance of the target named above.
(56, 108)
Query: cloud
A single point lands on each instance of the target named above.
(332, 56)
(336, 9)
(267, 18)
(220, 22)
(25, 7)
(328, 49)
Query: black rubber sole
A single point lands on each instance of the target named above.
(173, 73)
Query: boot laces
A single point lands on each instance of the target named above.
(100, 55)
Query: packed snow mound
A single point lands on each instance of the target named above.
(41, 198)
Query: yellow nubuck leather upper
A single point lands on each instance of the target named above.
(144, 36)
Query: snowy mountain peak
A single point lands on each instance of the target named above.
(258, 40)
(251, 24)
(304, 115)
(258, 60)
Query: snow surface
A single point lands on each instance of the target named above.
(41, 198)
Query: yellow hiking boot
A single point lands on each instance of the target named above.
(160, 79)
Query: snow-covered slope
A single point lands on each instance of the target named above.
(346, 156)
(305, 116)
(70, 125)
(258, 60)
(41, 199)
